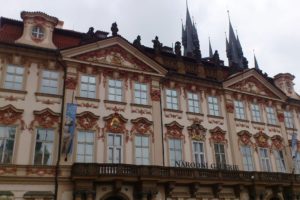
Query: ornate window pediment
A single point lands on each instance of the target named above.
(142, 126)
(197, 131)
(115, 123)
(87, 120)
(174, 130)
(217, 135)
(261, 139)
(45, 118)
(277, 142)
(244, 137)
(9, 115)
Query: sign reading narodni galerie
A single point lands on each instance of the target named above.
(219, 166)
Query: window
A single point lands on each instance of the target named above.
(85, 147)
(239, 110)
(115, 90)
(114, 148)
(271, 115)
(44, 147)
(175, 150)
(37, 32)
(172, 99)
(49, 82)
(247, 158)
(193, 102)
(213, 106)
(288, 119)
(88, 86)
(14, 77)
(255, 113)
(7, 141)
(198, 149)
(140, 93)
(142, 150)
(264, 160)
(280, 161)
(220, 154)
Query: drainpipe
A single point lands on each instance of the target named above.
(60, 127)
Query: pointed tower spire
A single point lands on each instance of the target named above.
(255, 63)
(210, 49)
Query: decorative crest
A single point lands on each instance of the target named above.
(197, 131)
(87, 120)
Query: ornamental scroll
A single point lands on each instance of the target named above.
(197, 131)
(142, 126)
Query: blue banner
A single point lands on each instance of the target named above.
(294, 145)
(69, 128)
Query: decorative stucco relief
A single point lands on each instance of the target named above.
(45, 118)
(9, 115)
(87, 120)
(115, 123)
(142, 126)
(197, 131)
(217, 135)
(174, 130)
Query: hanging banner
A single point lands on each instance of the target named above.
(294, 145)
(69, 128)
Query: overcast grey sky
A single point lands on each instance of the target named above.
(270, 27)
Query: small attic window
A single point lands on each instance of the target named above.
(38, 32)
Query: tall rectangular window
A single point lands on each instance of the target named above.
(49, 83)
(247, 158)
(213, 106)
(114, 90)
(85, 147)
(14, 77)
(142, 150)
(256, 116)
(44, 147)
(115, 148)
(193, 102)
(280, 164)
(7, 141)
(220, 153)
(288, 119)
(265, 160)
(172, 99)
(198, 150)
(239, 110)
(140, 93)
(175, 151)
(271, 115)
(88, 86)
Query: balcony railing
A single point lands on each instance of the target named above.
(98, 171)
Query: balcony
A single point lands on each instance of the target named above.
(106, 172)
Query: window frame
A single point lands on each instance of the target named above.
(264, 159)
(238, 108)
(114, 148)
(278, 159)
(42, 78)
(271, 117)
(14, 147)
(288, 120)
(175, 149)
(122, 89)
(5, 75)
(193, 102)
(254, 112)
(141, 91)
(172, 98)
(93, 145)
(215, 154)
(142, 147)
(249, 157)
(53, 146)
(88, 84)
(214, 104)
(198, 153)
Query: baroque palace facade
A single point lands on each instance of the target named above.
(91, 116)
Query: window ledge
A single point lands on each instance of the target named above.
(214, 116)
(115, 102)
(87, 99)
(193, 113)
(260, 123)
(141, 105)
(291, 129)
(241, 120)
(48, 95)
(14, 91)
(172, 110)
(274, 125)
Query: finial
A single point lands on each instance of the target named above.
(228, 15)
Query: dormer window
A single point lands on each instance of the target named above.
(37, 32)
